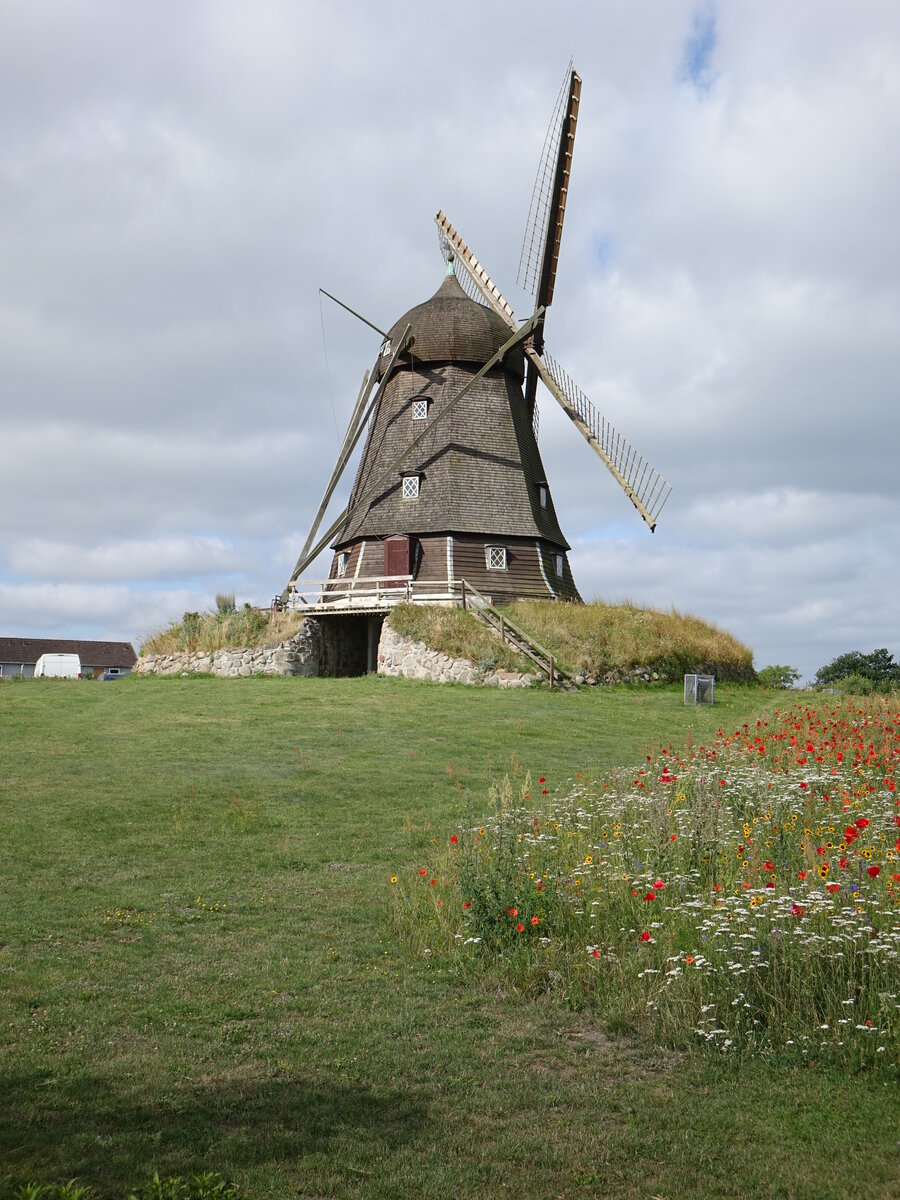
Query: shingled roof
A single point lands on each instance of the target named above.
(29, 650)
(452, 328)
(480, 469)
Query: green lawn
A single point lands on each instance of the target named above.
(197, 970)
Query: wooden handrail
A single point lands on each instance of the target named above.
(504, 622)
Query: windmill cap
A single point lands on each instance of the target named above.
(450, 327)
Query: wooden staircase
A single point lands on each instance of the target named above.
(510, 634)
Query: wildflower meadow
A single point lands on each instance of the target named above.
(741, 894)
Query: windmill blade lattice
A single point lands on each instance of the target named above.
(647, 490)
(536, 228)
(474, 281)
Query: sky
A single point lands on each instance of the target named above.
(178, 180)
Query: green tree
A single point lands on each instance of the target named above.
(878, 667)
(778, 677)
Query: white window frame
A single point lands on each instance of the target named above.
(420, 410)
(386, 348)
(559, 565)
(496, 558)
(342, 564)
(410, 487)
(542, 494)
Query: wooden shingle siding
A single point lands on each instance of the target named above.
(451, 327)
(479, 470)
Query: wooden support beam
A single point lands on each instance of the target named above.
(361, 411)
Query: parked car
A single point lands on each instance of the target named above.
(107, 675)
(58, 666)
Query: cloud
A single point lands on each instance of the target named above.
(151, 559)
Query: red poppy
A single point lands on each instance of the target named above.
(873, 872)
(650, 896)
(542, 780)
(850, 833)
(862, 823)
(801, 874)
(596, 953)
(433, 882)
(540, 885)
(770, 884)
(659, 885)
(767, 866)
(896, 877)
(843, 863)
(832, 887)
(798, 910)
(804, 785)
(520, 927)
(645, 937)
(467, 903)
(513, 912)
(535, 920)
(454, 840)
(689, 958)
(422, 871)
(544, 792)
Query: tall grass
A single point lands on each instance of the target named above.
(227, 627)
(455, 632)
(598, 638)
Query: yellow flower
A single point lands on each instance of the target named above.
(393, 879)
(589, 858)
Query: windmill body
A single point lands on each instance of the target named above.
(471, 499)
(450, 486)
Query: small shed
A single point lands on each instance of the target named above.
(18, 655)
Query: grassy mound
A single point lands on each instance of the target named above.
(593, 639)
(457, 633)
(227, 628)
(598, 638)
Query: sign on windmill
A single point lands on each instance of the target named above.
(450, 485)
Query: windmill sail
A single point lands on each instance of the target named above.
(476, 282)
(643, 485)
(647, 490)
(537, 267)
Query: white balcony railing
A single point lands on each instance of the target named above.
(369, 593)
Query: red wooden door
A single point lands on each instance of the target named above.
(397, 557)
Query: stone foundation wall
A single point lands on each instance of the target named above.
(303, 654)
(398, 655)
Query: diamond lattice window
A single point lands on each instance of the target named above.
(495, 558)
(420, 410)
(410, 487)
(342, 564)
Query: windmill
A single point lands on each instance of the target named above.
(450, 483)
